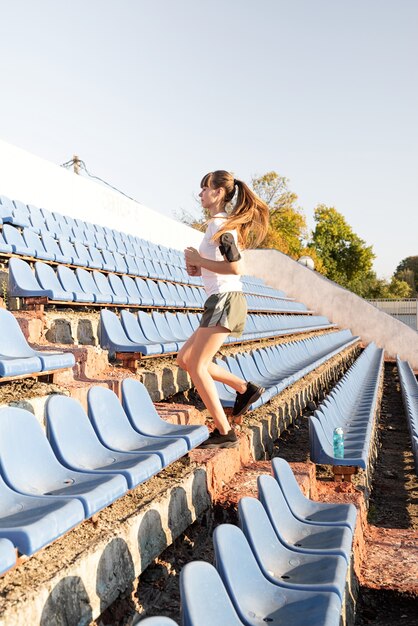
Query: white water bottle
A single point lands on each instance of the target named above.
(338, 440)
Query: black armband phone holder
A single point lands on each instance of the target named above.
(228, 247)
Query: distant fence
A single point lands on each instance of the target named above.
(405, 311)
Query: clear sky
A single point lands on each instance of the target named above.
(152, 94)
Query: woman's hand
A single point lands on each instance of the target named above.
(193, 257)
(193, 270)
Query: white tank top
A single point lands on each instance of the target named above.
(213, 282)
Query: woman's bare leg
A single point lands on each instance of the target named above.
(225, 376)
(217, 372)
(196, 357)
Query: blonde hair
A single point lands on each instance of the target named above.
(249, 216)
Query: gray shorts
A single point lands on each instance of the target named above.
(226, 309)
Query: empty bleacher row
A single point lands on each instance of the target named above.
(62, 284)
(351, 405)
(51, 482)
(287, 563)
(409, 387)
(163, 333)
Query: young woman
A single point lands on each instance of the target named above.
(218, 261)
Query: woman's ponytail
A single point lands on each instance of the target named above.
(250, 216)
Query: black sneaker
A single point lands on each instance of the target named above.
(244, 400)
(216, 440)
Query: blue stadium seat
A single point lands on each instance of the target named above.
(18, 358)
(150, 331)
(177, 329)
(78, 233)
(52, 247)
(147, 298)
(29, 466)
(88, 285)
(158, 299)
(131, 265)
(112, 335)
(109, 263)
(131, 289)
(105, 288)
(170, 299)
(48, 280)
(7, 555)
(34, 241)
(77, 446)
(145, 419)
(36, 219)
(281, 564)
(204, 599)
(119, 289)
(14, 212)
(23, 283)
(301, 536)
(164, 329)
(120, 263)
(306, 510)
(257, 599)
(152, 272)
(95, 259)
(6, 209)
(83, 257)
(32, 522)
(134, 333)
(114, 429)
(14, 238)
(142, 270)
(70, 284)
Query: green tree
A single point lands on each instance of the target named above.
(374, 287)
(346, 258)
(404, 269)
(287, 228)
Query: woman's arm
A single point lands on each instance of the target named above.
(219, 267)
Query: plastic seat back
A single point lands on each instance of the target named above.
(12, 340)
(13, 237)
(22, 281)
(105, 288)
(88, 285)
(204, 599)
(49, 280)
(70, 283)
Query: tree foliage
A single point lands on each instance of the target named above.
(287, 228)
(407, 270)
(346, 258)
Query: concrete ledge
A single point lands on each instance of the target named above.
(340, 305)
